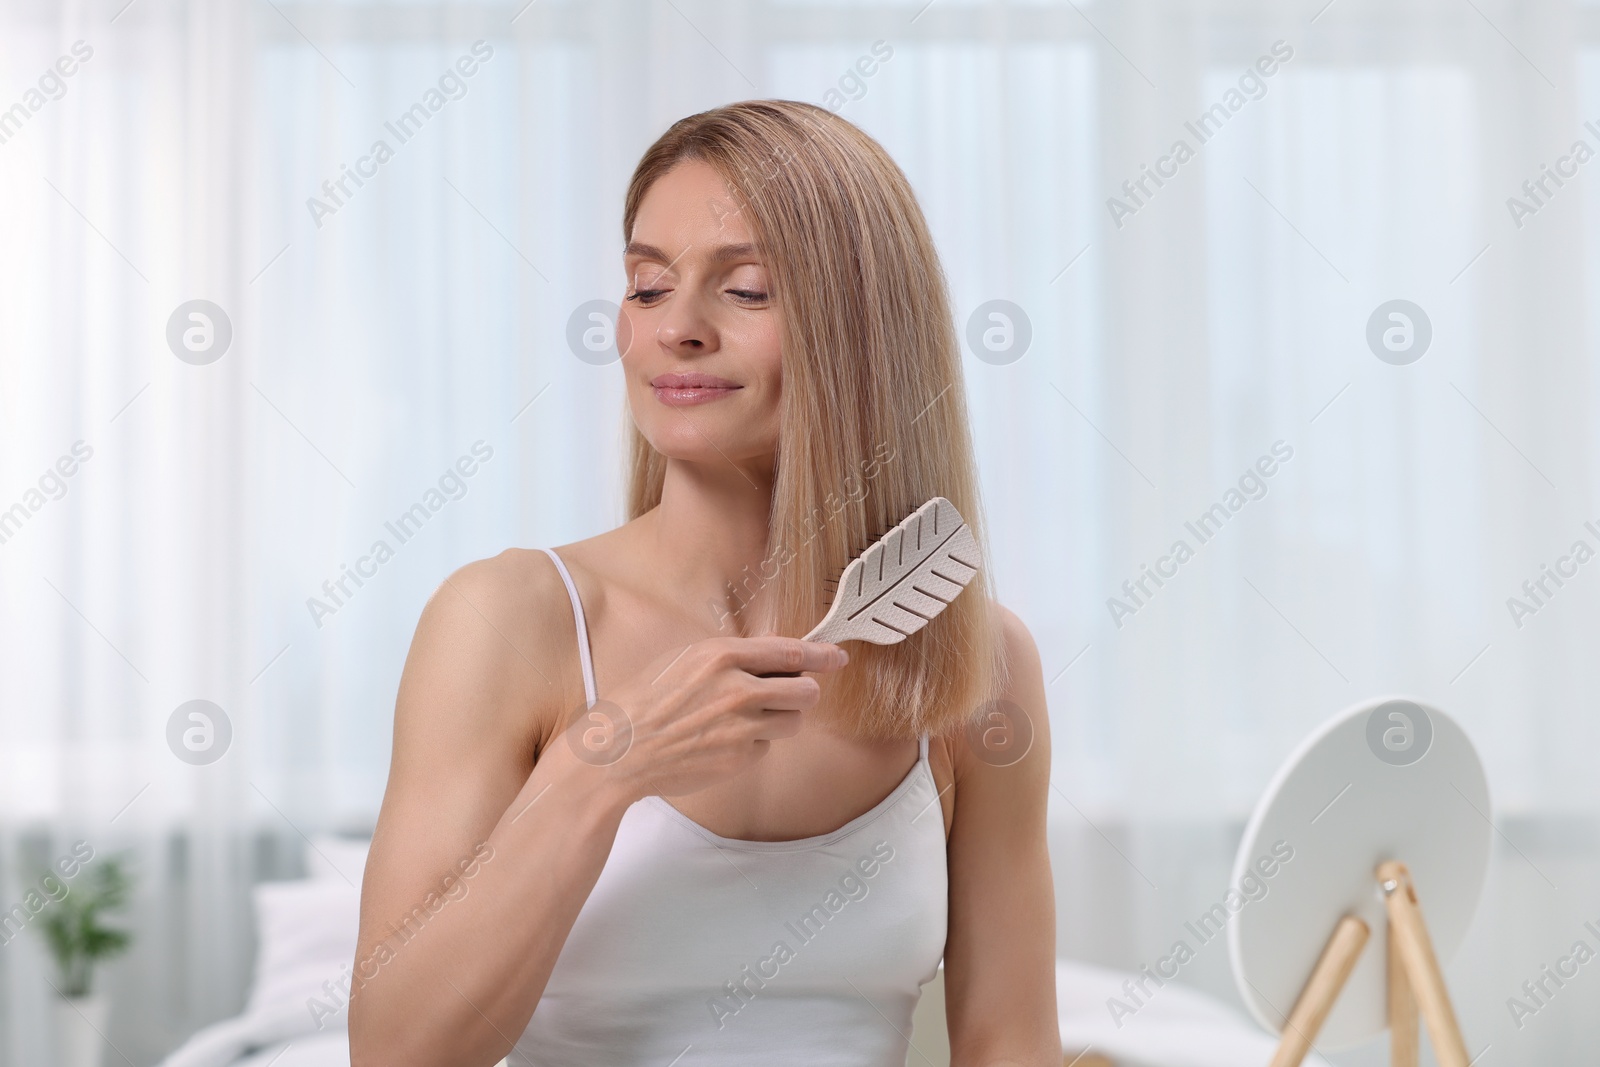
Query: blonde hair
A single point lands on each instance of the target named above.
(874, 417)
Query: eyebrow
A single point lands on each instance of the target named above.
(720, 254)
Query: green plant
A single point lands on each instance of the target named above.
(75, 929)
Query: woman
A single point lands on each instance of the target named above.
(725, 860)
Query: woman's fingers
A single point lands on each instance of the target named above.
(784, 694)
(715, 706)
(784, 655)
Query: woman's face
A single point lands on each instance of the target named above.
(698, 332)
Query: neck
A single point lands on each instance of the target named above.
(708, 537)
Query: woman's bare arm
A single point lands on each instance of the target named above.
(454, 868)
(999, 960)
(478, 869)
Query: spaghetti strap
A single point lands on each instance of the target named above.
(922, 748)
(584, 659)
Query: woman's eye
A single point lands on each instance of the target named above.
(645, 296)
(749, 294)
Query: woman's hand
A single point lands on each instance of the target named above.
(476, 704)
(703, 714)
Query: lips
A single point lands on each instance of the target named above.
(678, 390)
(691, 381)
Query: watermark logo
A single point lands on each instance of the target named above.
(1541, 989)
(51, 86)
(855, 488)
(1254, 885)
(999, 332)
(49, 889)
(199, 332)
(451, 486)
(198, 732)
(451, 86)
(1399, 332)
(851, 886)
(1399, 732)
(1000, 734)
(1537, 591)
(1537, 192)
(1252, 86)
(592, 332)
(1252, 485)
(600, 733)
(852, 83)
(52, 485)
(358, 973)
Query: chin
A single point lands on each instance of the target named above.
(697, 436)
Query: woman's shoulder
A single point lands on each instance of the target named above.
(520, 596)
(504, 626)
(1020, 693)
(527, 582)
(1015, 637)
(514, 590)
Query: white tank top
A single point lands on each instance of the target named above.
(696, 949)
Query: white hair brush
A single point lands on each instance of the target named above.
(904, 579)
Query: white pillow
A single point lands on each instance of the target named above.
(305, 949)
(337, 857)
(306, 936)
(221, 1044)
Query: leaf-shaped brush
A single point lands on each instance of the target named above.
(908, 576)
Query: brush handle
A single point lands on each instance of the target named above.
(821, 632)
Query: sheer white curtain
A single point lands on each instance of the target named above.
(379, 337)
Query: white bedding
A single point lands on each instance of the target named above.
(306, 944)
(1177, 1027)
(323, 1050)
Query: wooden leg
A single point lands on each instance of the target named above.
(1421, 965)
(1311, 1009)
(1403, 1036)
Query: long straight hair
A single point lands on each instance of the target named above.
(874, 417)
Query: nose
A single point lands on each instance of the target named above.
(684, 325)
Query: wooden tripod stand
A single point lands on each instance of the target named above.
(1414, 980)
